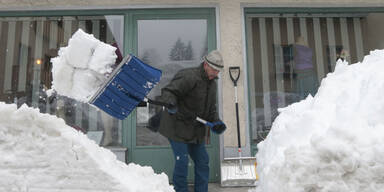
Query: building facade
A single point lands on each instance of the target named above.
(283, 48)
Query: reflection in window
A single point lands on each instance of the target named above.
(28, 43)
(289, 55)
(169, 45)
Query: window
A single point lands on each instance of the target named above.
(289, 54)
(26, 46)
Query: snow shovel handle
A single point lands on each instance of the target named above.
(232, 72)
(167, 105)
(150, 101)
(201, 120)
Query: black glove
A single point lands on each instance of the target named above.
(172, 109)
(218, 127)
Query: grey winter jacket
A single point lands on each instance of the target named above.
(194, 95)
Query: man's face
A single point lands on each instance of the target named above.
(211, 72)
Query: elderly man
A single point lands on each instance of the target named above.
(192, 93)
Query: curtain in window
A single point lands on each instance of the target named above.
(289, 55)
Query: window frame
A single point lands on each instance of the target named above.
(250, 12)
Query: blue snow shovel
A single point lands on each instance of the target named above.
(126, 87)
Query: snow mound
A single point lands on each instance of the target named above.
(333, 141)
(80, 69)
(39, 152)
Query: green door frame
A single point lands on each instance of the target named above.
(131, 43)
(248, 11)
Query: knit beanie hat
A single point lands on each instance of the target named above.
(215, 60)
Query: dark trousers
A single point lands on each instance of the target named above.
(200, 158)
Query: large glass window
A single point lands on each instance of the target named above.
(289, 54)
(26, 46)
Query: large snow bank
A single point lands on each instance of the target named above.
(82, 67)
(333, 141)
(40, 153)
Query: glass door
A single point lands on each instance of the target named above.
(169, 43)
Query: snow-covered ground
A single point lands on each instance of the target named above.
(332, 141)
(40, 153)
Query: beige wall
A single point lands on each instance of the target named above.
(230, 36)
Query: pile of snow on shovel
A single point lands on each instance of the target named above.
(81, 68)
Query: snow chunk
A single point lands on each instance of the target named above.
(81, 68)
